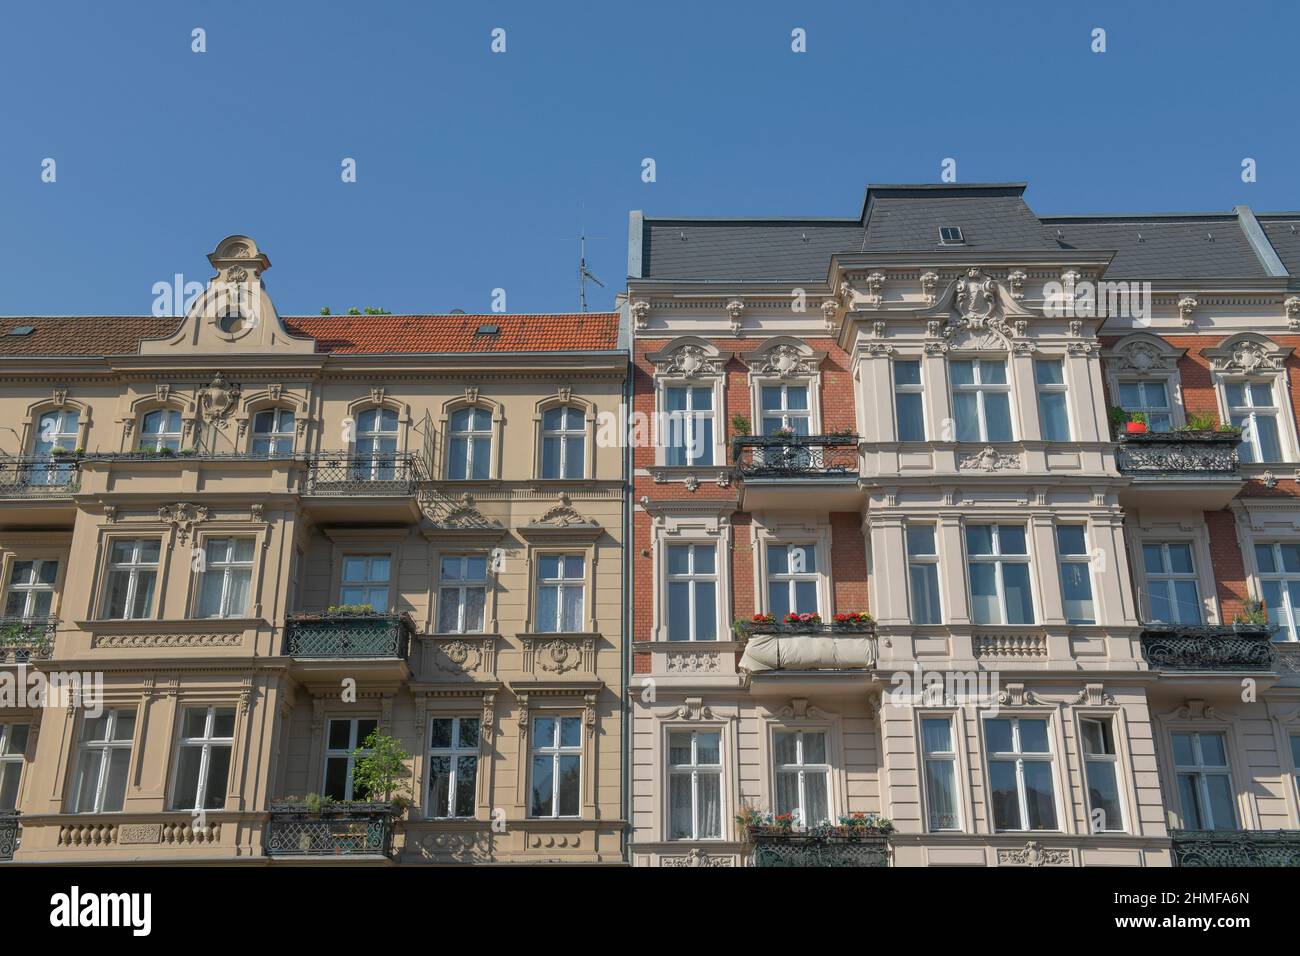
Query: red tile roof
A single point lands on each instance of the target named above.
(342, 334)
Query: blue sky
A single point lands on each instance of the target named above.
(475, 170)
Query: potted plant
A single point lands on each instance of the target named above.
(1118, 418)
(1254, 614)
(380, 770)
(785, 431)
(802, 620)
(853, 619)
(1137, 423)
(740, 425)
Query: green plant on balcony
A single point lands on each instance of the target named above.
(740, 425)
(66, 452)
(344, 610)
(784, 432)
(859, 824)
(1118, 418)
(1253, 613)
(853, 618)
(806, 620)
(754, 821)
(380, 770)
(188, 452)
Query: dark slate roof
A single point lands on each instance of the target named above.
(1283, 231)
(793, 249)
(992, 218)
(1162, 247)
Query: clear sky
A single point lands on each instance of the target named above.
(476, 170)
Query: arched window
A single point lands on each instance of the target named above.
(376, 444)
(161, 429)
(563, 442)
(273, 433)
(469, 450)
(56, 431)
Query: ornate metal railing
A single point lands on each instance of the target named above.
(799, 456)
(8, 834)
(353, 829)
(343, 635)
(57, 476)
(1209, 648)
(777, 847)
(744, 629)
(26, 639)
(1179, 455)
(1236, 847)
(342, 474)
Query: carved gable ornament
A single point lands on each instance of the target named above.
(1142, 353)
(464, 518)
(183, 517)
(218, 400)
(689, 360)
(563, 520)
(785, 359)
(1247, 354)
(977, 312)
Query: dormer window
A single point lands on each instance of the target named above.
(951, 236)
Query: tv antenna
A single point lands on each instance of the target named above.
(585, 275)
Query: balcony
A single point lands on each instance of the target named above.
(8, 834)
(1236, 847)
(340, 474)
(26, 639)
(1209, 648)
(330, 645)
(45, 477)
(773, 469)
(820, 846)
(1200, 467)
(356, 830)
(781, 656)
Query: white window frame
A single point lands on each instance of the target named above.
(226, 569)
(565, 434)
(374, 463)
(132, 568)
(354, 728)
(556, 750)
(32, 588)
(951, 757)
(997, 558)
(206, 744)
(156, 441)
(694, 770)
(1063, 560)
(1290, 615)
(1143, 381)
(685, 423)
(454, 753)
(1167, 579)
(368, 583)
(1250, 413)
(1200, 771)
(1113, 759)
(462, 586)
(562, 586)
(1053, 388)
(104, 747)
(909, 389)
(931, 560)
(979, 388)
(692, 579)
(1019, 758)
(14, 758)
(792, 578)
(786, 413)
(802, 768)
(277, 436)
(471, 436)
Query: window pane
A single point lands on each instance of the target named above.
(816, 810)
(1033, 736)
(1184, 755)
(543, 785)
(119, 760)
(710, 806)
(1103, 795)
(997, 734)
(548, 606)
(706, 612)
(1049, 372)
(907, 373)
(1190, 801)
(924, 580)
(941, 792)
(466, 778)
(814, 748)
(218, 771)
(187, 779)
(570, 731)
(911, 416)
(997, 414)
(1006, 797)
(1213, 752)
(570, 782)
(679, 611)
(1097, 737)
(1070, 539)
(1222, 805)
(708, 748)
(439, 785)
(679, 796)
(1011, 539)
(936, 736)
(679, 748)
(984, 594)
(1055, 418)
(1038, 795)
(962, 373)
(979, 539)
(1270, 447)
(920, 539)
(1076, 591)
(1020, 603)
(440, 732)
(1188, 607)
(966, 407)
(785, 748)
(551, 457)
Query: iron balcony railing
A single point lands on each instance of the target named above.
(1209, 647)
(1187, 455)
(819, 846)
(8, 834)
(335, 635)
(349, 829)
(56, 476)
(796, 457)
(26, 639)
(1236, 847)
(342, 474)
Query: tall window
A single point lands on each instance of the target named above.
(557, 767)
(103, 762)
(786, 407)
(273, 433)
(688, 425)
(998, 562)
(561, 580)
(31, 588)
(923, 574)
(56, 429)
(940, 755)
(1279, 574)
(161, 429)
(1076, 577)
(981, 399)
(203, 759)
(1053, 412)
(791, 579)
(802, 775)
(1204, 782)
(453, 766)
(376, 445)
(1151, 398)
(227, 578)
(1020, 773)
(13, 748)
(1295, 760)
(462, 594)
(132, 576)
(365, 580)
(695, 784)
(909, 402)
(345, 737)
(564, 442)
(1252, 408)
(692, 603)
(469, 451)
(1101, 765)
(1172, 589)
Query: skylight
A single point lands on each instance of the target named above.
(951, 236)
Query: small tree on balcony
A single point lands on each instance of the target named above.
(380, 769)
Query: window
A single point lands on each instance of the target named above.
(1151, 398)
(1279, 574)
(1252, 409)
(998, 563)
(227, 577)
(1204, 783)
(951, 236)
(909, 404)
(1020, 773)
(689, 425)
(1053, 414)
(203, 760)
(1295, 762)
(365, 580)
(104, 759)
(791, 579)
(981, 399)
(557, 766)
(132, 574)
(692, 601)
(56, 430)
(273, 433)
(161, 429)
(1172, 589)
(376, 445)
(561, 580)
(345, 737)
(802, 776)
(786, 407)
(462, 594)
(31, 588)
(563, 443)
(1076, 577)
(695, 785)
(453, 766)
(940, 773)
(923, 574)
(13, 748)
(469, 453)
(1101, 766)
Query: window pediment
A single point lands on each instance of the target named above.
(785, 358)
(1142, 353)
(689, 358)
(1247, 353)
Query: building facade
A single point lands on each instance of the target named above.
(253, 541)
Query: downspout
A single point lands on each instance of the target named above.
(625, 699)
